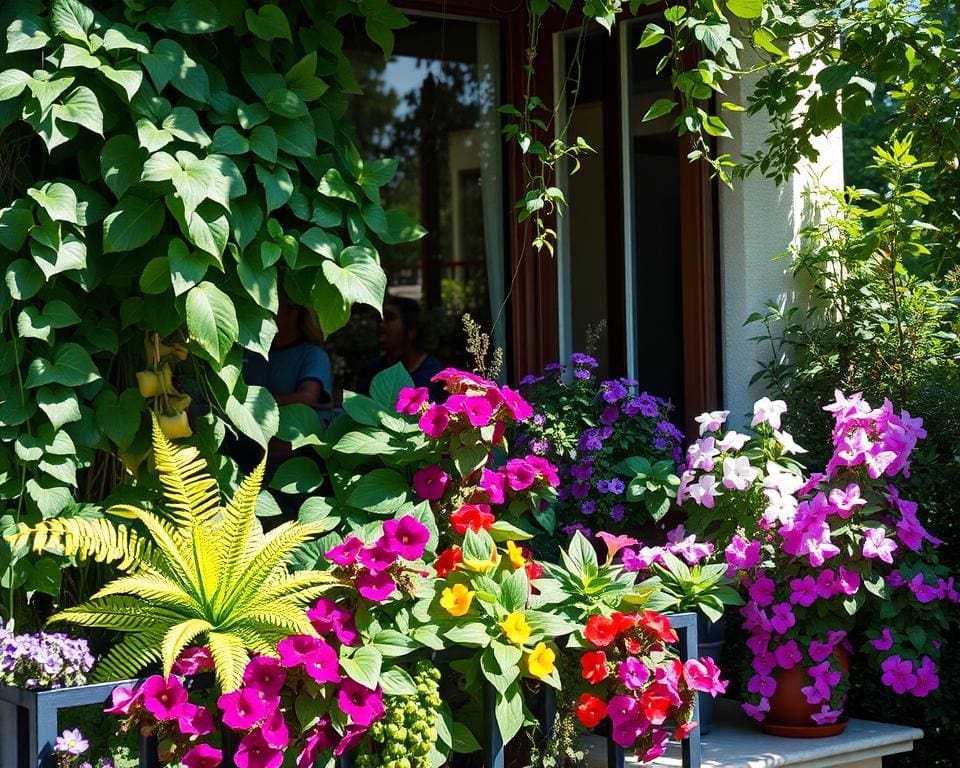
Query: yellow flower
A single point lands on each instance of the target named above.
(540, 661)
(516, 555)
(456, 599)
(516, 629)
(482, 566)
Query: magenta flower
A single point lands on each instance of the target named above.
(71, 742)
(255, 752)
(265, 675)
(704, 675)
(623, 709)
(375, 586)
(124, 700)
(360, 703)
(626, 732)
(411, 398)
(884, 642)
(352, 735)
(345, 554)
(788, 655)
(320, 739)
(275, 731)
(243, 709)
(493, 484)
(519, 408)
(846, 500)
(478, 410)
(163, 698)
(848, 581)
(406, 536)
(520, 475)
(927, 679)
(195, 721)
(326, 616)
(633, 673)
(300, 649)
(430, 482)
(803, 591)
(762, 684)
(782, 618)
(876, 544)
(742, 554)
(898, 674)
(819, 651)
(193, 661)
(434, 421)
(202, 756)
(321, 662)
(377, 557)
(658, 745)
(826, 715)
(757, 711)
(762, 591)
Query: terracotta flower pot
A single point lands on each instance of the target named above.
(790, 714)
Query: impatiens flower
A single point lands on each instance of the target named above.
(633, 673)
(242, 709)
(762, 684)
(411, 398)
(202, 756)
(704, 491)
(193, 661)
(876, 544)
(803, 591)
(447, 561)
(848, 581)
(787, 443)
(378, 556)
(659, 625)
(741, 554)
(819, 651)
(712, 421)
(622, 709)
(71, 742)
(593, 665)
(590, 710)
(494, 485)
(927, 679)
(762, 591)
(738, 474)
(456, 599)
(163, 698)
(898, 674)
(732, 441)
(406, 536)
(757, 711)
(473, 517)
(516, 628)
(362, 704)
(520, 474)
(704, 675)
(430, 482)
(519, 408)
(124, 699)
(352, 735)
(255, 752)
(327, 616)
(540, 662)
(788, 655)
(317, 657)
(826, 715)
(884, 642)
(318, 740)
(275, 731)
(515, 553)
(655, 703)
(345, 554)
(600, 630)
(478, 410)
(782, 618)
(375, 585)
(265, 675)
(195, 721)
(434, 421)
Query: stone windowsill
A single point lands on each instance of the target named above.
(736, 742)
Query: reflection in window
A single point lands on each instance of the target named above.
(432, 105)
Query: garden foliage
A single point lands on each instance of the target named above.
(167, 167)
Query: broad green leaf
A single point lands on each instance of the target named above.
(363, 666)
(83, 108)
(24, 279)
(246, 221)
(48, 498)
(277, 186)
(509, 712)
(169, 63)
(132, 223)
(120, 37)
(386, 385)
(47, 88)
(195, 180)
(323, 242)
(228, 141)
(12, 83)
(659, 108)
(37, 324)
(155, 277)
(464, 742)
(26, 34)
(299, 425)
(71, 366)
(263, 143)
(498, 662)
(194, 17)
(182, 122)
(59, 404)
(129, 77)
(379, 492)
(360, 279)
(260, 283)
(15, 222)
(746, 9)
(297, 475)
(121, 163)
(53, 255)
(256, 416)
(296, 137)
(333, 185)
(268, 23)
(71, 19)
(207, 228)
(119, 417)
(211, 320)
(187, 267)
(150, 137)
(397, 682)
(58, 200)
(75, 56)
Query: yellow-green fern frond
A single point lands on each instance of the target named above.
(128, 657)
(154, 587)
(190, 492)
(260, 642)
(304, 586)
(206, 549)
(291, 618)
(230, 658)
(178, 638)
(240, 523)
(99, 539)
(177, 558)
(122, 614)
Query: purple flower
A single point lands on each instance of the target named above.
(617, 511)
(633, 673)
(379, 556)
(616, 486)
(579, 358)
(345, 554)
(406, 536)
(588, 507)
(582, 373)
(613, 391)
(898, 674)
(71, 742)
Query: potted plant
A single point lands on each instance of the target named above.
(835, 563)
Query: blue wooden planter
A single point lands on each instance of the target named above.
(32, 718)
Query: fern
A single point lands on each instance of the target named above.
(206, 574)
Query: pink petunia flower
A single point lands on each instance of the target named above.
(275, 731)
(494, 485)
(352, 736)
(164, 699)
(345, 554)
(519, 474)
(318, 740)
(704, 675)
(519, 408)
(430, 482)
(124, 699)
(327, 616)
(375, 586)
(202, 756)
(762, 591)
(406, 536)
(193, 661)
(615, 543)
(264, 674)
(478, 410)
(242, 709)
(378, 556)
(363, 705)
(195, 721)
(876, 544)
(434, 421)
(255, 752)
(411, 399)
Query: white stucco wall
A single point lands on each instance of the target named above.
(758, 221)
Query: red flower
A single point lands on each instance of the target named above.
(655, 704)
(591, 710)
(659, 625)
(594, 666)
(634, 647)
(625, 621)
(448, 560)
(600, 630)
(534, 570)
(476, 517)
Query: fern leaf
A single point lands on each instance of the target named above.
(99, 539)
(259, 640)
(302, 586)
(281, 615)
(179, 564)
(123, 614)
(154, 587)
(240, 522)
(128, 657)
(230, 658)
(178, 637)
(190, 492)
(206, 549)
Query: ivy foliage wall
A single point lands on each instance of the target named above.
(164, 168)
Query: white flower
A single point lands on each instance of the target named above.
(787, 442)
(711, 421)
(768, 411)
(737, 473)
(700, 454)
(704, 491)
(732, 441)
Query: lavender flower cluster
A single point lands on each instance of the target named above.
(43, 660)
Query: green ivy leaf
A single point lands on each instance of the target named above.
(24, 279)
(71, 19)
(132, 223)
(269, 23)
(363, 666)
(297, 475)
(119, 417)
(82, 108)
(211, 320)
(36, 324)
(358, 277)
(26, 34)
(58, 200)
(121, 163)
(187, 267)
(261, 284)
(659, 108)
(59, 404)
(169, 63)
(379, 492)
(120, 37)
(277, 186)
(155, 277)
(71, 367)
(263, 143)
(12, 83)
(333, 185)
(256, 416)
(286, 103)
(229, 141)
(15, 222)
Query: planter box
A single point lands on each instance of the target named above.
(29, 723)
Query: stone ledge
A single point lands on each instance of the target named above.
(736, 742)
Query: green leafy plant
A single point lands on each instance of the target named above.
(203, 570)
(703, 588)
(652, 483)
